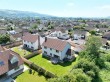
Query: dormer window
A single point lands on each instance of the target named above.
(14, 59)
(1, 63)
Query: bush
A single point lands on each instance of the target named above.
(35, 67)
(49, 74)
(41, 71)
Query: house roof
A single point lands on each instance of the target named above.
(79, 32)
(79, 48)
(61, 29)
(30, 38)
(17, 35)
(55, 44)
(106, 35)
(5, 64)
(1, 48)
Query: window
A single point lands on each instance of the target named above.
(50, 48)
(32, 47)
(16, 68)
(45, 52)
(45, 47)
(14, 59)
(57, 51)
(50, 54)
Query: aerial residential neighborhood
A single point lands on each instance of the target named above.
(55, 41)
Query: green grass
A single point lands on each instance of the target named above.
(26, 77)
(20, 51)
(56, 69)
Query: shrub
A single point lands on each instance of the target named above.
(49, 74)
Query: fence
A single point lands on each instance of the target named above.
(13, 44)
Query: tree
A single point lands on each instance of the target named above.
(92, 51)
(93, 32)
(88, 67)
(35, 26)
(93, 45)
(77, 75)
(4, 38)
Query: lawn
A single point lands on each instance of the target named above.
(26, 77)
(56, 69)
(20, 51)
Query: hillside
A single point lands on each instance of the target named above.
(20, 14)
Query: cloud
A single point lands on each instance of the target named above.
(70, 4)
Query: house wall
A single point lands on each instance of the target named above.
(14, 71)
(75, 36)
(63, 54)
(58, 33)
(30, 45)
(41, 40)
(53, 52)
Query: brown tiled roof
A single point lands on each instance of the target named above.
(1, 48)
(61, 29)
(72, 44)
(18, 35)
(30, 38)
(107, 34)
(55, 44)
(5, 57)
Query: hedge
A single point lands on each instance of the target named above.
(33, 54)
(39, 69)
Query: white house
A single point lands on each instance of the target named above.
(60, 34)
(56, 48)
(78, 34)
(11, 64)
(32, 41)
(11, 32)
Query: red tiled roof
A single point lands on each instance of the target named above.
(30, 38)
(55, 44)
(72, 44)
(1, 48)
(5, 57)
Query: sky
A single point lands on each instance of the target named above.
(61, 8)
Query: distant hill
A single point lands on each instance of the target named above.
(20, 14)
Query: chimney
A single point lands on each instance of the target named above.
(39, 47)
(45, 39)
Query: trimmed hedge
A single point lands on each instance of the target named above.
(37, 68)
(33, 54)
(41, 70)
(49, 74)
